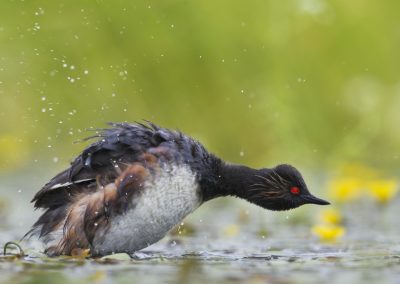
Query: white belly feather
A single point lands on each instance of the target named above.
(166, 199)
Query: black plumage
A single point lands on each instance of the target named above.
(104, 179)
(119, 146)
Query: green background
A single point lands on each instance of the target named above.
(314, 83)
(310, 82)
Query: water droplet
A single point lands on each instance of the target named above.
(123, 73)
(241, 153)
(36, 26)
(55, 160)
(39, 12)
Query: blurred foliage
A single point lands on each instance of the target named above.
(310, 82)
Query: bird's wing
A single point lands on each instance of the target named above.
(102, 161)
(73, 225)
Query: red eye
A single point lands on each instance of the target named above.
(294, 190)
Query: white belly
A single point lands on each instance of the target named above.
(165, 200)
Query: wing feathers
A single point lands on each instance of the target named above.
(122, 144)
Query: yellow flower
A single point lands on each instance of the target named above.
(231, 230)
(331, 216)
(345, 189)
(328, 233)
(382, 190)
(356, 181)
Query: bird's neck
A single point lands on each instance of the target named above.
(234, 180)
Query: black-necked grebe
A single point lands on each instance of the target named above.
(127, 190)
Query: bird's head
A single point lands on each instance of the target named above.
(281, 188)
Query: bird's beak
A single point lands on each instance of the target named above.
(315, 200)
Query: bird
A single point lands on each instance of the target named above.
(137, 181)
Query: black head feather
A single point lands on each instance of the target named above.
(281, 188)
